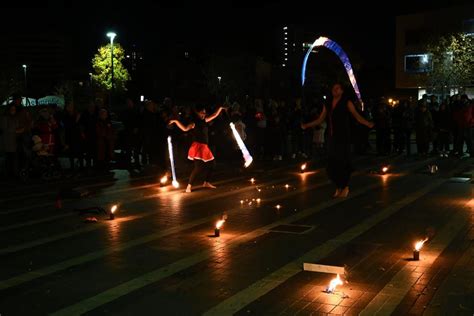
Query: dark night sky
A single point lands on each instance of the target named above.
(222, 26)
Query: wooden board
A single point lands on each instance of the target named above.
(323, 268)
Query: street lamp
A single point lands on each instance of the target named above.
(219, 78)
(24, 70)
(112, 36)
(90, 77)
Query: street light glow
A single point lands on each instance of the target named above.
(112, 36)
(24, 66)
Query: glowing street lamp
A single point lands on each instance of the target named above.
(111, 35)
(24, 71)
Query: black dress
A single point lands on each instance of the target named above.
(339, 167)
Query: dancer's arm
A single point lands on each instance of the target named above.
(357, 116)
(317, 121)
(182, 127)
(215, 114)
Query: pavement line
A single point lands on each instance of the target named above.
(42, 241)
(34, 222)
(21, 209)
(114, 191)
(387, 300)
(168, 270)
(22, 278)
(241, 299)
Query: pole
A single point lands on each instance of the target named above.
(112, 68)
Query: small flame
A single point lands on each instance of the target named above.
(164, 179)
(385, 169)
(113, 209)
(419, 244)
(176, 184)
(252, 180)
(278, 207)
(287, 186)
(241, 201)
(259, 190)
(303, 167)
(220, 223)
(258, 200)
(333, 284)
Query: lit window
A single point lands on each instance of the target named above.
(418, 63)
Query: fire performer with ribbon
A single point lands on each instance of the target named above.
(199, 151)
(338, 112)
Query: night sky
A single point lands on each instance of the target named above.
(220, 27)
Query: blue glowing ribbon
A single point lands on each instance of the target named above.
(333, 46)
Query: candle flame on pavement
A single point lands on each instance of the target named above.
(419, 244)
(278, 207)
(303, 167)
(333, 284)
(252, 180)
(164, 179)
(113, 208)
(220, 223)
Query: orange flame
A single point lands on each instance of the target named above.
(220, 223)
(164, 179)
(113, 209)
(333, 284)
(252, 180)
(258, 200)
(287, 186)
(419, 244)
(384, 169)
(303, 167)
(278, 207)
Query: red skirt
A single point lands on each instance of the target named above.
(200, 151)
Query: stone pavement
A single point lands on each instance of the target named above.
(159, 255)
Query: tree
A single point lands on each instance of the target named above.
(101, 63)
(453, 64)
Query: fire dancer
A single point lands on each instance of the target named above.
(199, 150)
(338, 112)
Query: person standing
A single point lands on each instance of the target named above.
(338, 112)
(199, 151)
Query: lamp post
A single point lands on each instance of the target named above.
(112, 36)
(90, 77)
(24, 70)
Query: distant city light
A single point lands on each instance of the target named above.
(285, 27)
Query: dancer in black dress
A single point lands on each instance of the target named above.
(199, 151)
(338, 112)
